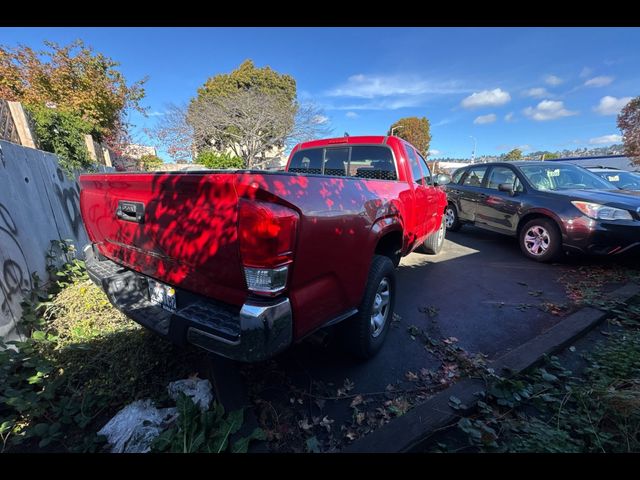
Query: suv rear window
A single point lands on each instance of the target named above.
(360, 161)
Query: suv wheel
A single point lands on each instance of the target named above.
(451, 218)
(540, 240)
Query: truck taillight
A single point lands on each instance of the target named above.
(267, 236)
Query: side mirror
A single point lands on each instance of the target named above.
(506, 187)
(442, 179)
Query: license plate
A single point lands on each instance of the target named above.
(163, 295)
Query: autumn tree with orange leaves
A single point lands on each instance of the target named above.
(629, 125)
(75, 80)
(414, 130)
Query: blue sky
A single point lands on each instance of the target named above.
(533, 88)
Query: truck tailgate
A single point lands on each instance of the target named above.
(177, 228)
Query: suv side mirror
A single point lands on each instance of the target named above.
(442, 179)
(507, 187)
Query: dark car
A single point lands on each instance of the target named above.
(551, 207)
(619, 178)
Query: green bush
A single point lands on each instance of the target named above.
(215, 160)
(63, 134)
(150, 162)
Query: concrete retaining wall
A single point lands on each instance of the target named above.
(38, 204)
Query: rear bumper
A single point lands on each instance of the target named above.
(256, 331)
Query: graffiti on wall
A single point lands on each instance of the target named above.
(69, 198)
(15, 276)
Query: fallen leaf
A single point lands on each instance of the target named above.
(412, 377)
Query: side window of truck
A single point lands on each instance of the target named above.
(416, 173)
(426, 170)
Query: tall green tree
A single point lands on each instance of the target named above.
(515, 154)
(222, 95)
(629, 125)
(251, 113)
(74, 80)
(414, 130)
(249, 77)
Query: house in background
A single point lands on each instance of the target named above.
(136, 151)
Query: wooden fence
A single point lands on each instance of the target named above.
(16, 126)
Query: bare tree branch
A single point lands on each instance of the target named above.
(174, 132)
(251, 124)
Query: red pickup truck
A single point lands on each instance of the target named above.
(244, 263)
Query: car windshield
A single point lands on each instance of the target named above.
(621, 179)
(563, 177)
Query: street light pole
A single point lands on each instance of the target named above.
(393, 128)
(473, 154)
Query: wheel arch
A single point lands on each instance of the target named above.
(539, 214)
(390, 242)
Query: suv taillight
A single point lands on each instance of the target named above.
(267, 236)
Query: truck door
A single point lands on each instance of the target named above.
(421, 203)
(431, 213)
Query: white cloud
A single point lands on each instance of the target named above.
(611, 105)
(486, 98)
(372, 86)
(444, 121)
(525, 147)
(434, 152)
(553, 80)
(383, 104)
(585, 72)
(320, 119)
(484, 119)
(606, 139)
(598, 81)
(548, 110)
(351, 115)
(155, 114)
(537, 92)
(508, 117)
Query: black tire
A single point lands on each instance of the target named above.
(434, 242)
(359, 337)
(541, 235)
(454, 225)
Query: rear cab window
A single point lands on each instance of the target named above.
(359, 161)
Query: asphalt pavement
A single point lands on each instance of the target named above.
(480, 289)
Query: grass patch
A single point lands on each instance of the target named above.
(81, 362)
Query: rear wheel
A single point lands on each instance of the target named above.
(540, 240)
(451, 218)
(364, 333)
(433, 244)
